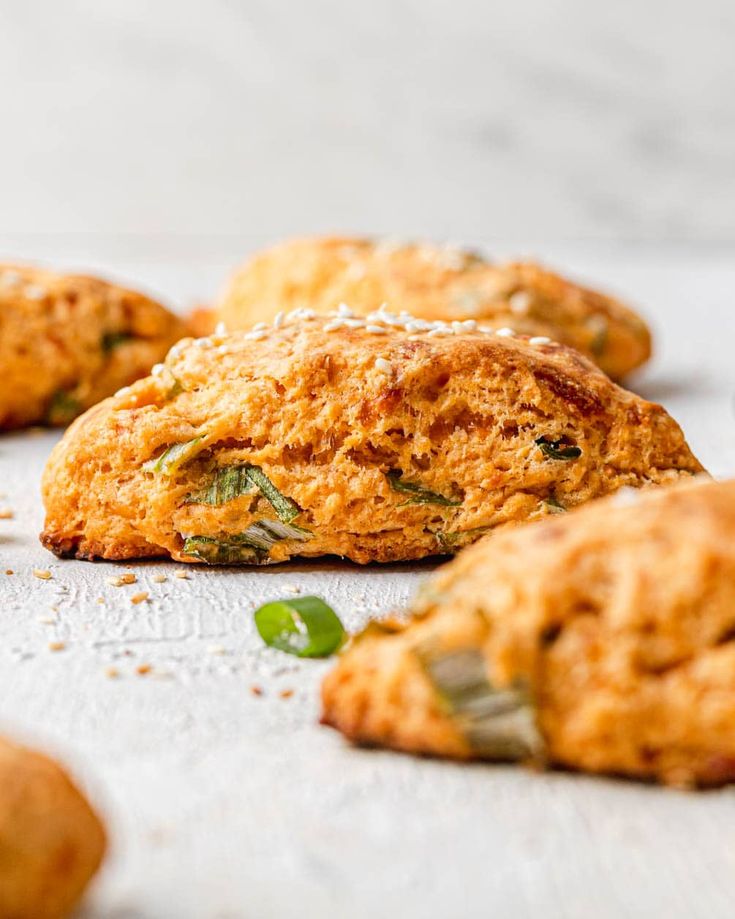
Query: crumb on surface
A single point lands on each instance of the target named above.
(9, 571)
(118, 580)
(112, 673)
(143, 669)
(140, 597)
(182, 574)
(159, 578)
(256, 690)
(6, 513)
(286, 693)
(43, 574)
(56, 645)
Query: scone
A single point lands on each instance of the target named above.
(51, 841)
(68, 341)
(435, 282)
(378, 439)
(601, 640)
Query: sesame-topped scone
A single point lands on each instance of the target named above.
(435, 282)
(51, 841)
(68, 341)
(378, 439)
(601, 640)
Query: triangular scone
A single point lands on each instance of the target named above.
(377, 439)
(600, 641)
(435, 282)
(51, 840)
(68, 341)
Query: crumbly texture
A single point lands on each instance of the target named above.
(51, 841)
(386, 445)
(68, 341)
(618, 620)
(435, 282)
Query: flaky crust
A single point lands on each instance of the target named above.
(619, 618)
(68, 341)
(435, 282)
(339, 418)
(51, 841)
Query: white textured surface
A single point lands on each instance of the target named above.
(223, 804)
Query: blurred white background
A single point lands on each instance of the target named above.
(523, 122)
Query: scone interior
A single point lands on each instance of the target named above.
(378, 439)
(436, 282)
(51, 841)
(68, 341)
(600, 641)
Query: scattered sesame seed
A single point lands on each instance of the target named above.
(344, 311)
(140, 597)
(259, 326)
(182, 574)
(34, 292)
(286, 693)
(539, 340)
(279, 319)
(333, 325)
(223, 349)
(505, 333)
(255, 336)
(112, 673)
(292, 588)
(47, 620)
(159, 578)
(143, 669)
(119, 580)
(216, 649)
(56, 645)
(376, 329)
(122, 392)
(354, 323)
(383, 365)
(42, 574)
(157, 370)
(6, 514)
(220, 329)
(175, 351)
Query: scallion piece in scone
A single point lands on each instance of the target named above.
(68, 341)
(377, 439)
(602, 641)
(435, 282)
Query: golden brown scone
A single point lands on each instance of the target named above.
(377, 439)
(436, 282)
(68, 341)
(601, 640)
(51, 841)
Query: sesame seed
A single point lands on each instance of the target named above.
(255, 336)
(182, 574)
(119, 580)
(434, 333)
(56, 645)
(159, 578)
(220, 329)
(157, 370)
(539, 340)
(334, 325)
(279, 319)
(286, 693)
(223, 349)
(122, 392)
(47, 620)
(34, 292)
(292, 588)
(354, 323)
(143, 669)
(505, 333)
(217, 649)
(383, 365)
(203, 343)
(139, 597)
(175, 351)
(519, 302)
(376, 329)
(43, 574)
(344, 311)
(112, 673)
(259, 326)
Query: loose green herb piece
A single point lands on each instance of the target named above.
(249, 547)
(227, 483)
(498, 723)
(418, 494)
(175, 456)
(557, 449)
(62, 408)
(306, 627)
(286, 509)
(112, 340)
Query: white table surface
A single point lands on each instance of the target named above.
(224, 804)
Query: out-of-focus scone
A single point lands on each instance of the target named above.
(436, 282)
(51, 841)
(378, 439)
(602, 640)
(68, 341)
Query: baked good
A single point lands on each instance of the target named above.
(378, 439)
(51, 841)
(68, 341)
(600, 640)
(435, 282)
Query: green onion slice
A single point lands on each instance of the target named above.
(306, 627)
(221, 552)
(286, 508)
(112, 340)
(175, 456)
(226, 484)
(498, 723)
(554, 505)
(557, 449)
(62, 408)
(418, 494)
